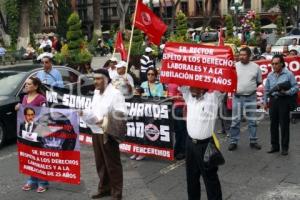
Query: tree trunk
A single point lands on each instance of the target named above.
(122, 12)
(24, 30)
(96, 15)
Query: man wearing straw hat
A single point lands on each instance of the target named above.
(106, 100)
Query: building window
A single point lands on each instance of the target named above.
(105, 13)
(184, 7)
(247, 4)
(156, 11)
(51, 21)
(199, 7)
(114, 11)
(169, 11)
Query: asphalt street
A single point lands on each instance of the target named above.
(247, 174)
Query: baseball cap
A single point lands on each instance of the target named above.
(121, 64)
(148, 49)
(113, 59)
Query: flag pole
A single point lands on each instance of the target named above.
(115, 46)
(131, 35)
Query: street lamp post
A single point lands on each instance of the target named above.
(236, 7)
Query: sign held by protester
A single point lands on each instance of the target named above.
(210, 67)
(149, 128)
(48, 144)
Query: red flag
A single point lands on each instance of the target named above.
(221, 39)
(119, 46)
(148, 22)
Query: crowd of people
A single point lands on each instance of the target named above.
(194, 116)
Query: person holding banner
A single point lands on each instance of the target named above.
(280, 88)
(106, 148)
(202, 109)
(34, 97)
(249, 77)
(151, 88)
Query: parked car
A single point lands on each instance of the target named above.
(12, 81)
(277, 48)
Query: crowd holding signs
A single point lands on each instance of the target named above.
(44, 153)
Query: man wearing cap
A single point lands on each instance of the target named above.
(106, 99)
(123, 81)
(146, 62)
(112, 67)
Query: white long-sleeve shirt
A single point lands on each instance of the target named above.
(201, 113)
(102, 104)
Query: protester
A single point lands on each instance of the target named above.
(268, 55)
(151, 88)
(294, 46)
(146, 62)
(249, 76)
(34, 97)
(285, 51)
(123, 81)
(293, 52)
(49, 75)
(202, 108)
(179, 120)
(280, 100)
(56, 44)
(85, 69)
(112, 70)
(107, 154)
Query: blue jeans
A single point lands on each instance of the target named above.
(246, 106)
(33, 181)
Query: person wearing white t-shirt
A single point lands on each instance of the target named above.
(294, 46)
(123, 81)
(106, 99)
(202, 110)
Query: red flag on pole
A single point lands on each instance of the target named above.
(119, 46)
(221, 39)
(149, 23)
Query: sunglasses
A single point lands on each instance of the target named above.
(275, 63)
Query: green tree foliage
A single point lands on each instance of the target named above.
(64, 11)
(181, 29)
(257, 26)
(77, 53)
(229, 26)
(35, 16)
(137, 43)
(279, 23)
(74, 34)
(181, 24)
(12, 8)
